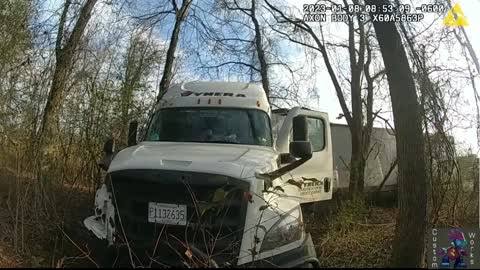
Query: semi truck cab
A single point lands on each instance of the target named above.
(216, 180)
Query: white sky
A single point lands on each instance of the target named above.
(470, 8)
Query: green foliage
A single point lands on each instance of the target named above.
(15, 42)
(14, 30)
(140, 59)
(349, 213)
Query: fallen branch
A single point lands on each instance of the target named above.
(394, 164)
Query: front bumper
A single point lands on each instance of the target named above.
(291, 259)
(298, 257)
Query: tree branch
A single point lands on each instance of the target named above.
(233, 63)
(61, 26)
(306, 28)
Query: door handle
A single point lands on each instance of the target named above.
(327, 184)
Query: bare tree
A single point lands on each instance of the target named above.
(245, 48)
(251, 13)
(411, 221)
(139, 60)
(180, 15)
(259, 48)
(65, 49)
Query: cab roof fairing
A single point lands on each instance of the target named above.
(215, 94)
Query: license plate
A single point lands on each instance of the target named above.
(163, 213)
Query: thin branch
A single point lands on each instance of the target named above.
(232, 63)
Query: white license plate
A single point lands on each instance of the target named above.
(171, 214)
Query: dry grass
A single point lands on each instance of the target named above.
(356, 236)
(40, 240)
(9, 260)
(464, 214)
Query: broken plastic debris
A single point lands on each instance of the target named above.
(96, 227)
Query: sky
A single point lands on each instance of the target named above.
(465, 137)
(470, 9)
(327, 100)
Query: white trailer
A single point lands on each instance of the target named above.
(380, 163)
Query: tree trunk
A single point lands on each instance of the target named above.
(260, 52)
(411, 221)
(357, 165)
(169, 61)
(64, 57)
(357, 161)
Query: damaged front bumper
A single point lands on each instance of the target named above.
(102, 224)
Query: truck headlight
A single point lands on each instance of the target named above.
(286, 230)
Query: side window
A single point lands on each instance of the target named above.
(316, 133)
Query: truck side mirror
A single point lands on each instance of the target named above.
(300, 128)
(132, 133)
(108, 149)
(108, 146)
(300, 147)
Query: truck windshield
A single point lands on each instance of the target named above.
(211, 125)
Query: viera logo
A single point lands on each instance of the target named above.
(211, 94)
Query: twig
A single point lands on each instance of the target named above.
(156, 245)
(375, 225)
(83, 252)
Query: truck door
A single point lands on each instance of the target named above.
(314, 179)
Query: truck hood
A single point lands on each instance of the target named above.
(239, 161)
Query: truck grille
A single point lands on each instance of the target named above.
(214, 227)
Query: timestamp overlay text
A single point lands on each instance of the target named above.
(364, 13)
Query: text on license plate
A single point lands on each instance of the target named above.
(163, 213)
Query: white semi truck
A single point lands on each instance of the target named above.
(211, 183)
